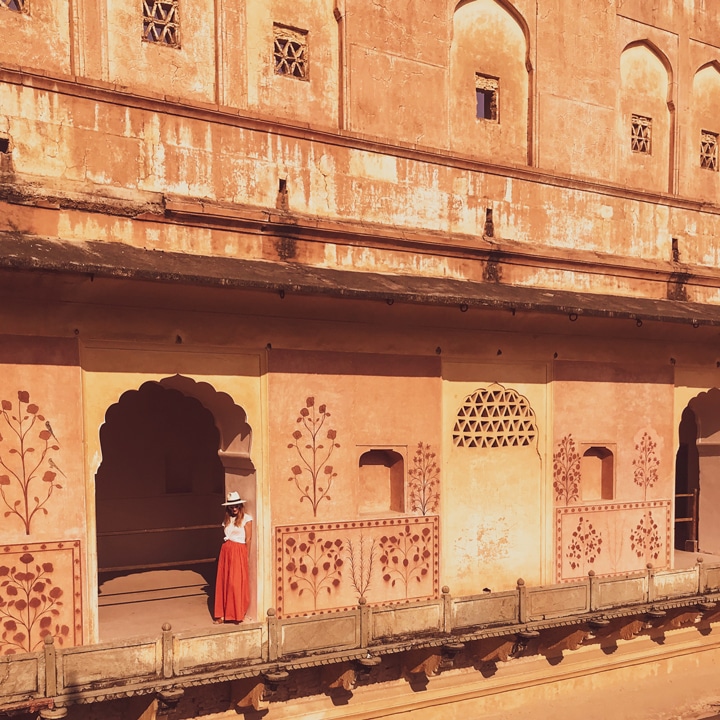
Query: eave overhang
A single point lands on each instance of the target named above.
(120, 261)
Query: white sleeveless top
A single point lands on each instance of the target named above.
(236, 533)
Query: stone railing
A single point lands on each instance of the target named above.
(56, 677)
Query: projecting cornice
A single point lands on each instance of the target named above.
(116, 260)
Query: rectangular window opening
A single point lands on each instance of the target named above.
(14, 5)
(160, 22)
(290, 52)
(641, 134)
(709, 150)
(486, 97)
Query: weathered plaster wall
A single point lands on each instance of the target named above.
(622, 409)
(333, 544)
(490, 537)
(408, 75)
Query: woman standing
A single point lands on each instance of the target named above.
(232, 588)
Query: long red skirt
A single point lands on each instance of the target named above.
(232, 588)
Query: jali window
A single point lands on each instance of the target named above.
(641, 134)
(495, 417)
(290, 52)
(709, 150)
(14, 5)
(160, 22)
(486, 97)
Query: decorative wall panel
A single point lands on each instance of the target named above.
(328, 566)
(611, 538)
(40, 596)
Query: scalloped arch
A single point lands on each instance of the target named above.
(229, 417)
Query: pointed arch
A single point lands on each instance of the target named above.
(491, 40)
(646, 118)
(662, 57)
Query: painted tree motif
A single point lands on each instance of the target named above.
(314, 565)
(25, 458)
(29, 605)
(566, 471)
(645, 539)
(314, 455)
(424, 481)
(361, 559)
(646, 463)
(585, 545)
(406, 556)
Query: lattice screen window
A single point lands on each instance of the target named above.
(495, 417)
(486, 97)
(14, 5)
(641, 134)
(160, 22)
(290, 52)
(709, 150)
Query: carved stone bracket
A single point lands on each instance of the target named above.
(168, 700)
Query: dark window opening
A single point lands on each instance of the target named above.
(486, 97)
(14, 5)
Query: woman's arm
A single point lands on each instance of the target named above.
(248, 533)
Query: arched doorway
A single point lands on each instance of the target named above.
(170, 452)
(697, 475)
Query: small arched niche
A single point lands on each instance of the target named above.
(382, 482)
(597, 474)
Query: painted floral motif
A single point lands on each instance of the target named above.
(645, 539)
(566, 471)
(361, 558)
(585, 545)
(406, 556)
(313, 565)
(29, 606)
(424, 481)
(314, 455)
(646, 463)
(26, 458)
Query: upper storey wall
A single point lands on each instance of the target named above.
(562, 86)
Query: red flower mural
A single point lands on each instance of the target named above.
(566, 471)
(25, 458)
(406, 556)
(424, 481)
(646, 463)
(29, 606)
(585, 545)
(645, 539)
(313, 565)
(314, 455)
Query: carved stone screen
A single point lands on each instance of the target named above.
(495, 417)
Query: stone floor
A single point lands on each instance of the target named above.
(139, 604)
